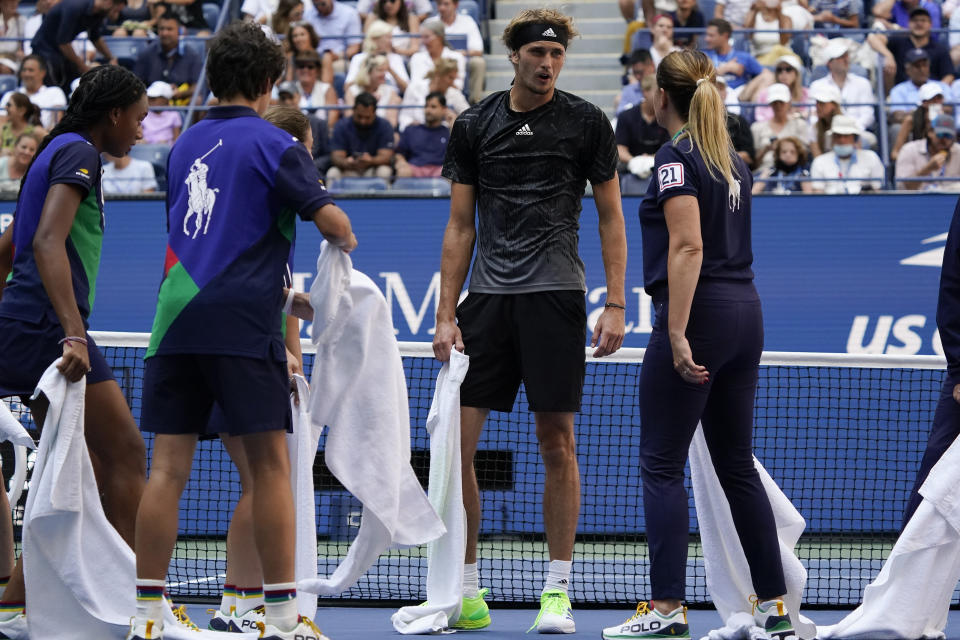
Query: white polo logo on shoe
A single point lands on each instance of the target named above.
(525, 130)
(642, 627)
(549, 33)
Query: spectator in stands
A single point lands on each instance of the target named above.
(12, 25)
(333, 21)
(259, 11)
(827, 106)
(641, 65)
(22, 117)
(639, 137)
(441, 79)
(422, 146)
(896, 47)
(161, 126)
(687, 16)
(125, 175)
(783, 124)
(738, 68)
(790, 163)
(916, 123)
(51, 100)
(435, 46)
(314, 93)
(170, 60)
(419, 8)
(767, 45)
(288, 12)
(372, 79)
(801, 18)
(861, 169)
(301, 38)
(738, 128)
(461, 24)
(288, 95)
(906, 95)
(54, 39)
(836, 14)
(896, 14)
(788, 71)
(190, 14)
(362, 144)
(34, 21)
(639, 15)
(937, 155)
(14, 166)
(662, 32)
(733, 11)
(395, 14)
(379, 42)
(853, 89)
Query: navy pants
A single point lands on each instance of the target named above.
(945, 429)
(725, 332)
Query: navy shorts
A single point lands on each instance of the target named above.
(180, 390)
(537, 338)
(29, 348)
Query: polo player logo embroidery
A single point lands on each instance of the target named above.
(200, 198)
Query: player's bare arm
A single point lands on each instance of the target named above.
(458, 240)
(608, 333)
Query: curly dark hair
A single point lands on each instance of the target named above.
(243, 61)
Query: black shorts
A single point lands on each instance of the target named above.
(179, 392)
(537, 338)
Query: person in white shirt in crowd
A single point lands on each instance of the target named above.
(854, 89)
(846, 168)
(313, 92)
(396, 14)
(372, 79)
(441, 79)
(936, 155)
(333, 21)
(51, 100)
(434, 43)
(789, 71)
(12, 25)
(662, 32)
(827, 105)
(782, 124)
(802, 19)
(260, 11)
(123, 175)
(905, 96)
(916, 123)
(772, 39)
(733, 11)
(379, 41)
(419, 8)
(161, 127)
(460, 24)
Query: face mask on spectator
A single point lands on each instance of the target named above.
(783, 167)
(934, 110)
(843, 150)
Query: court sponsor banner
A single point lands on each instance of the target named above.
(852, 274)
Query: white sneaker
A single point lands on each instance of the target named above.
(15, 628)
(772, 617)
(248, 622)
(650, 623)
(305, 630)
(148, 630)
(556, 614)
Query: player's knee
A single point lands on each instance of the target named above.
(558, 448)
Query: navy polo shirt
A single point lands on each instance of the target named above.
(63, 23)
(183, 65)
(680, 170)
(637, 135)
(356, 141)
(940, 62)
(422, 145)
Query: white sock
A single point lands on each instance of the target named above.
(248, 598)
(281, 605)
(471, 581)
(229, 600)
(558, 575)
(150, 601)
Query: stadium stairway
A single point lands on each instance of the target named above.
(592, 70)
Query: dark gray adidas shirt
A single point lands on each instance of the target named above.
(529, 170)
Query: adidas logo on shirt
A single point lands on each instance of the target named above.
(525, 130)
(549, 33)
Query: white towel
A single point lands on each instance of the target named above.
(360, 394)
(445, 554)
(302, 445)
(728, 575)
(11, 429)
(910, 598)
(80, 574)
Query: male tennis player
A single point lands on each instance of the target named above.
(523, 157)
(216, 338)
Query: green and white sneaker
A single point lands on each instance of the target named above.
(474, 613)
(650, 623)
(772, 617)
(556, 614)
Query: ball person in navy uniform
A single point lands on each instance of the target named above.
(702, 359)
(520, 159)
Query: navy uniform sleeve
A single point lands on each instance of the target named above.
(76, 163)
(298, 183)
(674, 173)
(460, 161)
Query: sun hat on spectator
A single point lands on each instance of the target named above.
(791, 60)
(160, 89)
(929, 91)
(825, 93)
(836, 48)
(778, 92)
(842, 125)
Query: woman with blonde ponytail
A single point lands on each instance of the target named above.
(701, 362)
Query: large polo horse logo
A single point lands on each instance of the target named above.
(200, 197)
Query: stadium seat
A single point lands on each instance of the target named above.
(211, 13)
(431, 186)
(125, 49)
(358, 184)
(471, 8)
(631, 185)
(7, 83)
(155, 154)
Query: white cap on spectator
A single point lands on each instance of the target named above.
(836, 48)
(826, 93)
(721, 80)
(929, 91)
(160, 89)
(844, 125)
(791, 60)
(778, 92)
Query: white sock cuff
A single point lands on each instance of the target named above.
(143, 582)
(558, 575)
(471, 580)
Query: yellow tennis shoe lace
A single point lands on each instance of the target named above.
(643, 608)
(180, 613)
